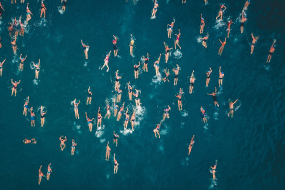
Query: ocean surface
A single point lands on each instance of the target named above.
(248, 148)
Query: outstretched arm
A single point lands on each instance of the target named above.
(235, 101)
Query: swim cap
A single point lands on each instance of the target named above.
(222, 72)
(176, 68)
(203, 18)
(244, 16)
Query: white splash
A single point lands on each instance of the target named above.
(184, 113)
(219, 24)
(177, 54)
(125, 132)
(102, 140)
(215, 116)
(36, 82)
(156, 79)
(60, 10)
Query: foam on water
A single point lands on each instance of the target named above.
(177, 54)
(140, 114)
(156, 79)
(184, 113)
(126, 131)
(102, 140)
(36, 82)
(219, 24)
(215, 115)
(59, 8)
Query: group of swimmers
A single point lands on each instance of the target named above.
(17, 27)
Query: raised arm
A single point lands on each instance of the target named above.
(220, 41)
(139, 64)
(235, 101)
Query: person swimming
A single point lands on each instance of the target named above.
(176, 72)
(49, 170)
(156, 130)
(90, 125)
(222, 46)
(203, 115)
(254, 39)
(214, 94)
(154, 10)
(221, 77)
(108, 150)
(167, 50)
(202, 25)
(177, 39)
(204, 40)
(192, 80)
(208, 76)
(170, 29)
(14, 88)
(115, 40)
(222, 9)
(145, 59)
(85, 48)
(191, 145)
(106, 61)
(73, 145)
(271, 51)
(62, 142)
(1, 67)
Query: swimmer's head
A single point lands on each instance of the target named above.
(222, 72)
(202, 18)
(244, 16)
(192, 77)
(231, 101)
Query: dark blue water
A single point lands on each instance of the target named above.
(249, 147)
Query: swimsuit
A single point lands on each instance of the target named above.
(32, 118)
(26, 106)
(89, 94)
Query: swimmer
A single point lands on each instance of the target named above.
(221, 77)
(16, 26)
(115, 46)
(203, 115)
(166, 113)
(40, 172)
(222, 46)
(62, 142)
(22, 1)
(254, 39)
(170, 29)
(179, 96)
(133, 119)
(167, 50)
(204, 42)
(246, 4)
(154, 10)
(214, 94)
(176, 72)
(117, 83)
(29, 13)
(127, 119)
(132, 43)
(32, 141)
(136, 67)
(137, 100)
(108, 111)
(49, 170)
(86, 49)
(10, 29)
(192, 80)
(37, 69)
(26, 107)
(115, 139)
(167, 73)
(76, 108)
(21, 67)
(116, 164)
(208, 76)
(177, 39)
(0, 43)
(1, 67)
(206, 2)
(145, 63)
(89, 97)
(229, 23)
(32, 117)
(156, 65)
(43, 9)
(14, 45)
(214, 171)
(184, 1)
(242, 21)
(156, 130)
(271, 51)
(12, 2)
(191, 145)
(64, 5)
(42, 116)
(73, 145)
(14, 89)
(99, 118)
(120, 112)
(108, 150)
(1, 10)
(106, 61)
(119, 94)
(130, 92)
(202, 25)
(231, 105)
(115, 109)
(222, 9)
(90, 125)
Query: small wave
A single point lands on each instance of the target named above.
(60, 10)
(102, 140)
(205, 126)
(215, 116)
(78, 127)
(238, 104)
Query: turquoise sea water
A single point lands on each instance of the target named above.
(249, 148)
